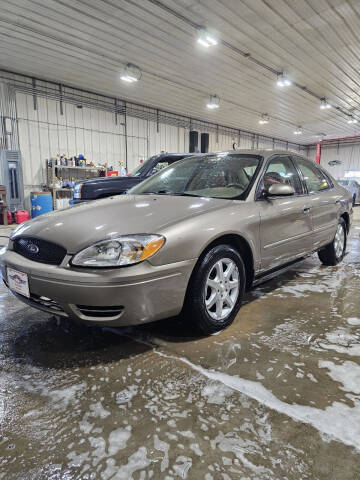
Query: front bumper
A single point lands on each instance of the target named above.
(76, 201)
(121, 296)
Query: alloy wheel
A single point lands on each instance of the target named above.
(339, 241)
(222, 288)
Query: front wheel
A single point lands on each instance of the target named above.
(333, 253)
(215, 290)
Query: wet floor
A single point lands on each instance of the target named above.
(275, 396)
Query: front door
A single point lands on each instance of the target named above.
(285, 222)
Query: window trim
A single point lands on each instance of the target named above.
(261, 177)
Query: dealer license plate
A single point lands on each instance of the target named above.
(18, 282)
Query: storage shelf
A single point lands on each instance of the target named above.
(78, 174)
(80, 168)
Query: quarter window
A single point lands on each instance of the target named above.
(282, 170)
(313, 177)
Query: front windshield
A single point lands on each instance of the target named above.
(216, 175)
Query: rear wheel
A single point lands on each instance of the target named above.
(333, 253)
(215, 290)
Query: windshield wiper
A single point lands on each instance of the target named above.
(159, 192)
(167, 192)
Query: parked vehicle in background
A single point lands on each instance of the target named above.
(188, 240)
(353, 187)
(102, 187)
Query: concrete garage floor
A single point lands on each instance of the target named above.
(275, 396)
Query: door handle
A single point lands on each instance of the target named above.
(307, 209)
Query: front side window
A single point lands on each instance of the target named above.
(281, 170)
(217, 175)
(315, 180)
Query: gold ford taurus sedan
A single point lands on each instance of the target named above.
(189, 239)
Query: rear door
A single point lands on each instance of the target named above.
(285, 222)
(324, 202)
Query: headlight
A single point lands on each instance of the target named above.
(77, 190)
(119, 251)
(17, 230)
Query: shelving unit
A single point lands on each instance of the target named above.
(54, 172)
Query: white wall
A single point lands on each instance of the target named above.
(349, 155)
(44, 132)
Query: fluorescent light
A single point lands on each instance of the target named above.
(351, 119)
(324, 104)
(283, 80)
(131, 73)
(298, 131)
(206, 39)
(129, 78)
(264, 119)
(214, 102)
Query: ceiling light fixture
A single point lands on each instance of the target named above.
(131, 73)
(264, 119)
(214, 102)
(206, 39)
(298, 131)
(351, 119)
(324, 104)
(283, 80)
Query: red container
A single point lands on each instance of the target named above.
(9, 217)
(113, 173)
(21, 216)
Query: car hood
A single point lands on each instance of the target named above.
(82, 225)
(106, 186)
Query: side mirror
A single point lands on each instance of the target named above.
(279, 190)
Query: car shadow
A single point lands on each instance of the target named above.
(61, 343)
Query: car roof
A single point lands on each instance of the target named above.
(176, 154)
(264, 152)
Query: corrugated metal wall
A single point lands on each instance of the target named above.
(348, 154)
(45, 132)
(54, 119)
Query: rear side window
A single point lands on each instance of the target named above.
(314, 178)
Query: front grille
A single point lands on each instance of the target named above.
(46, 302)
(100, 312)
(39, 250)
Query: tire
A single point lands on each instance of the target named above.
(333, 253)
(212, 302)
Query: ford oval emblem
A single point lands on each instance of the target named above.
(32, 248)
